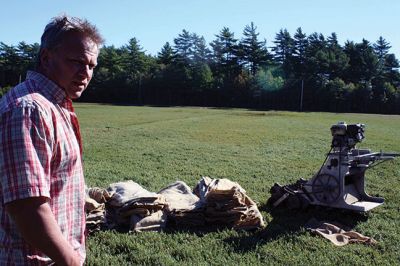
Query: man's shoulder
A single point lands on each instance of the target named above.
(24, 95)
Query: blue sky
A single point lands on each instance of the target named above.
(154, 22)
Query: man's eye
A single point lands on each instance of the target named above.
(75, 61)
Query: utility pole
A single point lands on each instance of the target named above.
(301, 95)
(140, 89)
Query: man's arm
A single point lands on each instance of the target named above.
(37, 225)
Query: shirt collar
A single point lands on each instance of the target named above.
(47, 87)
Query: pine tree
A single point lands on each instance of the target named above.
(110, 65)
(337, 60)
(134, 59)
(363, 62)
(284, 46)
(299, 52)
(387, 63)
(316, 42)
(136, 66)
(11, 65)
(166, 55)
(381, 48)
(28, 54)
(225, 48)
(183, 47)
(201, 53)
(387, 75)
(315, 55)
(391, 68)
(225, 56)
(253, 52)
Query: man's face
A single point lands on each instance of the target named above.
(71, 64)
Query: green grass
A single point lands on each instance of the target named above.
(157, 146)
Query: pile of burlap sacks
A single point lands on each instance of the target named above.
(213, 202)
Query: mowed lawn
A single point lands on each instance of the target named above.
(155, 146)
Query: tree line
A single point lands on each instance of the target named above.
(298, 72)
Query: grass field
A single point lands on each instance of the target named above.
(157, 146)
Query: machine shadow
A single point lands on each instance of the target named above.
(290, 222)
(284, 222)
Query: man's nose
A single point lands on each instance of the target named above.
(85, 71)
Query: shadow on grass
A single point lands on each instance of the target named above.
(199, 230)
(290, 222)
(284, 222)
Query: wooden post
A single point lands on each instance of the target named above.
(301, 95)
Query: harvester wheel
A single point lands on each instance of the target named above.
(326, 188)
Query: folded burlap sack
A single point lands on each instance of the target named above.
(337, 233)
(226, 203)
(133, 207)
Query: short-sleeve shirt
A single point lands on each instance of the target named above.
(40, 156)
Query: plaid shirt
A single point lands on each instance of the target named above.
(40, 155)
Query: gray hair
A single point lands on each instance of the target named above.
(58, 27)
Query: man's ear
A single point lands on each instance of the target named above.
(45, 56)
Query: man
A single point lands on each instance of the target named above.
(42, 217)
